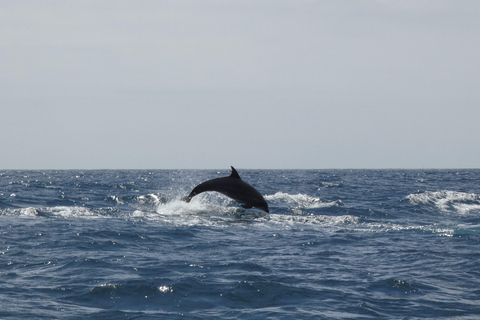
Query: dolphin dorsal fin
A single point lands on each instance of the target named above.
(234, 173)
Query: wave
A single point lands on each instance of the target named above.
(448, 201)
(301, 201)
(328, 185)
(210, 209)
(148, 199)
(60, 211)
(289, 221)
(388, 227)
(288, 211)
(180, 213)
(203, 211)
(189, 293)
(131, 294)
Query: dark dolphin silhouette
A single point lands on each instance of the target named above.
(233, 187)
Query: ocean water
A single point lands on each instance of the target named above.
(337, 244)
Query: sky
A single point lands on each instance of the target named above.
(254, 84)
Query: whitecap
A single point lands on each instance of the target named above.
(215, 210)
(149, 198)
(59, 211)
(300, 201)
(200, 211)
(447, 200)
(23, 212)
(464, 208)
(393, 227)
(313, 220)
(328, 185)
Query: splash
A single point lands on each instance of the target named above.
(202, 210)
(211, 209)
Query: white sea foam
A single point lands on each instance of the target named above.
(155, 198)
(447, 200)
(392, 227)
(59, 211)
(24, 212)
(464, 208)
(312, 220)
(217, 210)
(213, 209)
(200, 211)
(328, 185)
(302, 201)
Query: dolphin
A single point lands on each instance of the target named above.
(233, 187)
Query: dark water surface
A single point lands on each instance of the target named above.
(338, 244)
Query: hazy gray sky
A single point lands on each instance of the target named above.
(254, 84)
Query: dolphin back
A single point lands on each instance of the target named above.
(233, 187)
(210, 185)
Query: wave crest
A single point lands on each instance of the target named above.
(210, 209)
(301, 201)
(447, 200)
(60, 211)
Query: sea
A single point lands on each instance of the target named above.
(337, 244)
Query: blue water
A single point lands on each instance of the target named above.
(338, 244)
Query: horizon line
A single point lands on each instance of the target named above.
(240, 168)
